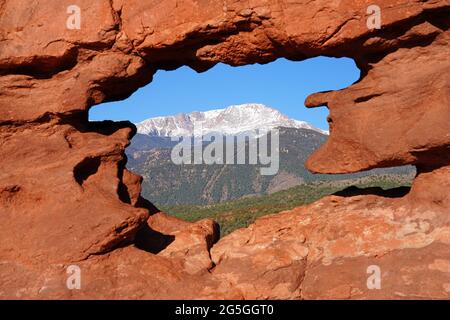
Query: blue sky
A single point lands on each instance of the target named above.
(282, 85)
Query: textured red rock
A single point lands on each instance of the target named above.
(362, 136)
(66, 197)
(323, 250)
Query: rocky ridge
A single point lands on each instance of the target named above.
(250, 118)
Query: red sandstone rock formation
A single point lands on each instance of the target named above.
(66, 197)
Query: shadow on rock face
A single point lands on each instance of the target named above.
(144, 203)
(152, 241)
(388, 193)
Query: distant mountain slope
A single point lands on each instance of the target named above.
(168, 184)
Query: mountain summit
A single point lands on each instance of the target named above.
(233, 120)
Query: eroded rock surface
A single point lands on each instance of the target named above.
(66, 197)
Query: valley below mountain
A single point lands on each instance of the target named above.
(169, 184)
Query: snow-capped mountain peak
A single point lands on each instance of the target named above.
(233, 120)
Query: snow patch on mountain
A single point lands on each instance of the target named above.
(233, 120)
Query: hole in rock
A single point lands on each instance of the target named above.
(352, 191)
(226, 102)
(86, 168)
